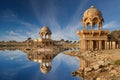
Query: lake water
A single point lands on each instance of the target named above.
(15, 65)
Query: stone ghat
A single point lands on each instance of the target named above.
(97, 65)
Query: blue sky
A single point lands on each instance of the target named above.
(20, 19)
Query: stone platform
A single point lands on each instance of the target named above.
(93, 39)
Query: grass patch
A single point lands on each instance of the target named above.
(117, 62)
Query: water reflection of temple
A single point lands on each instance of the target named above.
(44, 56)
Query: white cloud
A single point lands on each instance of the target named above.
(113, 25)
(72, 62)
(29, 26)
(67, 32)
(71, 31)
(13, 33)
(19, 58)
(50, 19)
(11, 55)
(8, 15)
(33, 29)
(59, 32)
(16, 36)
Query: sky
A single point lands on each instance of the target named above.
(20, 19)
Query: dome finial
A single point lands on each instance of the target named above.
(92, 6)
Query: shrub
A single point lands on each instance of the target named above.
(117, 62)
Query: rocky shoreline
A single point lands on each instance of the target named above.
(97, 65)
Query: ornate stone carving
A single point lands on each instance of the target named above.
(91, 17)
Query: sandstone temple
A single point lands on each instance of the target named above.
(92, 39)
(45, 37)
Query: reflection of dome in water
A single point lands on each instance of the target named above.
(45, 31)
(45, 69)
(44, 56)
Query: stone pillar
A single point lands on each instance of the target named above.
(97, 45)
(115, 44)
(85, 45)
(80, 42)
(100, 44)
(105, 44)
(119, 44)
(91, 45)
(111, 45)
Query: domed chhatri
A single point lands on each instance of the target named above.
(45, 32)
(93, 39)
(91, 17)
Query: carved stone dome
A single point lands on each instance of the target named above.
(92, 11)
(91, 17)
(45, 31)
